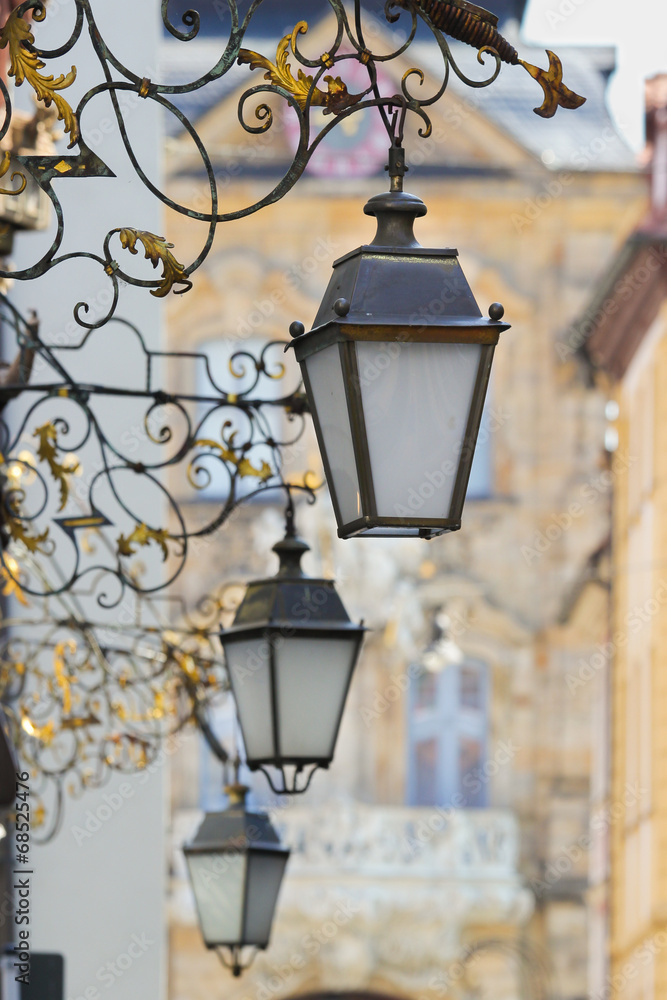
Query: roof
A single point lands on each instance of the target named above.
(273, 20)
(582, 141)
(625, 304)
(630, 295)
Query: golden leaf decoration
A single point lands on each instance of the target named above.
(20, 533)
(307, 480)
(120, 711)
(137, 749)
(47, 436)
(244, 465)
(143, 535)
(556, 94)
(44, 734)
(187, 664)
(246, 468)
(159, 710)
(335, 99)
(4, 167)
(25, 65)
(9, 571)
(60, 671)
(158, 251)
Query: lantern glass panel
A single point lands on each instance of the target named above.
(325, 374)
(218, 881)
(416, 409)
(265, 873)
(312, 678)
(248, 662)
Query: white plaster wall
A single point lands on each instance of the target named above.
(94, 897)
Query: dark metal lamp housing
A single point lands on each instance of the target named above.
(396, 370)
(236, 865)
(290, 655)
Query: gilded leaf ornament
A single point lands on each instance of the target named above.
(47, 451)
(142, 536)
(19, 532)
(4, 167)
(158, 251)
(25, 65)
(335, 99)
(61, 676)
(44, 734)
(10, 573)
(244, 465)
(556, 94)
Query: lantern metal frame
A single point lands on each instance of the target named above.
(263, 615)
(349, 314)
(256, 835)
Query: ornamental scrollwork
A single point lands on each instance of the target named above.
(67, 478)
(302, 83)
(88, 697)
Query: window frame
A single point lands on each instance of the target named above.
(448, 721)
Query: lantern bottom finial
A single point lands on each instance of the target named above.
(233, 958)
(395, 212)
(296, 778)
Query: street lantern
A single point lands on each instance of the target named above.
(396, 370)
(290, 655)
(236, 865)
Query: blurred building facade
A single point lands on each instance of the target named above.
(455, 821)
(624, 338)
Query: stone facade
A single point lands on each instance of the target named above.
(627, 348)
(522, 583)
(376, 898)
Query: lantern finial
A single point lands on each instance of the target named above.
(236, 794)
(291, 548)
(395, 212)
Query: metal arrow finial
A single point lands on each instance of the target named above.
(556, 94)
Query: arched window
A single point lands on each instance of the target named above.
(447, 736)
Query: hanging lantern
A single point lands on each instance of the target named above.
(236, 866)
(396, 370)
(290, 655)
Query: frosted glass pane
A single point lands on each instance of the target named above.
(249, 674)
(386, 531)
(326, 380)
(218, 882)
(417, 407)
(310, 694)
(480, 485)
(265, 872)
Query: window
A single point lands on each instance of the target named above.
(447, 736)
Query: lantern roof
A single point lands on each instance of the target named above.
(235, 830)
(290, 599)
(394, 281)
